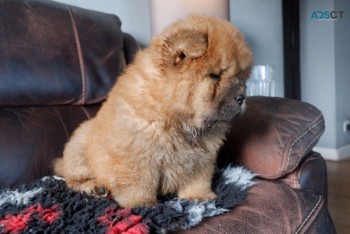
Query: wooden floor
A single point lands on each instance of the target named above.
(339, 194)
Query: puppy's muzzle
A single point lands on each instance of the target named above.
(240, 99)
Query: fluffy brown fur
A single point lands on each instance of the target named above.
(163, 122)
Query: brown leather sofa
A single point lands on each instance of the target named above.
(57, 64)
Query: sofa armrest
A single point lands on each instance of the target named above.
(310, 175)
(273, 136)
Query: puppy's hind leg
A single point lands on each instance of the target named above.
(74, 166)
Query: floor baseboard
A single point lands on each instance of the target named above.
(333, 154)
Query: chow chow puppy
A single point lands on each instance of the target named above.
(165, 119)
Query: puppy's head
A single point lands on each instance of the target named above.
(204, 63)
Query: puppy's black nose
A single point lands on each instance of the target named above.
(240, 99)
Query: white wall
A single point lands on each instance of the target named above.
(318, 65)
(342, 71)
(134, 14)
(325, 71)
(261, 23)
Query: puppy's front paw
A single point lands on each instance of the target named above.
(197, 195)
(208, 196)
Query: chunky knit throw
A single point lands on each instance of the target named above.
(49, 206)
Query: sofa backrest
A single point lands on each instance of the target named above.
(54, 54)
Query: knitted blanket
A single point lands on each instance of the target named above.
(49, 206)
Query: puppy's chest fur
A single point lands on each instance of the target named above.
(179, 159)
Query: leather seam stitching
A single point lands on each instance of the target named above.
(80, 56)
(61, 121)
(295, 141)
(311, 213)
(315, 139)
(86, 112)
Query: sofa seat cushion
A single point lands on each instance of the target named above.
(272, 207)
(31, 137)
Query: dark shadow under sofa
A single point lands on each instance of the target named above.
(57, 64)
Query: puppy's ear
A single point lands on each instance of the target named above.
(187, 44)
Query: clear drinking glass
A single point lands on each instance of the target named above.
(261, 82)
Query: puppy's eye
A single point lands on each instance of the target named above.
(214, 76)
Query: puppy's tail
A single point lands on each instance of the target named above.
(58, 166)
